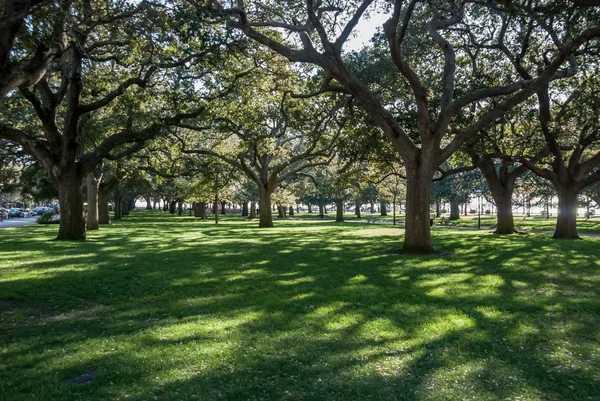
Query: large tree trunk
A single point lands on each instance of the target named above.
(197, 209)
(506, 224)
(72, 222)
(252, 210)
(502, 185)
(357, 206)
(566, 226)
(383, 209)
(172, 207)
(437, 208)
(339, 207)
(118, 205)
(223, 204)
(321, 208)
(417, 237)
(280, 212)
(180, 208)
(103, 215)
(454, 210)
(245, 209)
(309, 208)
(125, 208)
(266, 216)
(148, 203)
(291, 211)
(92, 192)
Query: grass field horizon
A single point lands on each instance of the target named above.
(162, 307)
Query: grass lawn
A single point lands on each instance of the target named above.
(168, 308)
(522, 222)
(590, 226)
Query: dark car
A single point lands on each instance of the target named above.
(16, 212)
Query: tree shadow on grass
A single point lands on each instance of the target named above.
(304, 311)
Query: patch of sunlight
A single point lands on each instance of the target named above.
(343, 321)
(406, 308)
(204, 327)
(384, 231)
(194, 281)
(381, 328)
(492, 313)
(329, 309)
(303, 296)
(204, 301)
(525, 329)
(444, 325)
(519, 284)
(296, 281)
(468, 285)
(434, 280)
(357, 279)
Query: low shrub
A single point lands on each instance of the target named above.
(48, 218)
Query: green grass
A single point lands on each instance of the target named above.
(168, 308)
(589, 226)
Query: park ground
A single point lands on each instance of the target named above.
(160, 307)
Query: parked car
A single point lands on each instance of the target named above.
(15, 212)
(40, 210)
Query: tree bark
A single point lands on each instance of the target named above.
(92, 192)
(172, 207)
(417, 237)
(180, 208)
(339, 207)
(118, 205)
(217, 209)
(252, 210)
(124, 208)
(291, 211)
(383, 209)
(437, 209)
(321, 209)
(280, 212)
(223, 204)
(501, 182)
(266, 216)
(245, 209)
(72, 223)
(506, 224)
(357, 206)
(309, 208)
(566, 225)
(454, 210)
(103, 215)
(148, 203)
(196, 207)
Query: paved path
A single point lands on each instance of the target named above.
(18, 222)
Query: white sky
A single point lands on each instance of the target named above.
(365, 30)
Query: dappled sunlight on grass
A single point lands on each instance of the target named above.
(170, 308)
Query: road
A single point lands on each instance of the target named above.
(18, 222)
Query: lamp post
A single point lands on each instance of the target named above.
(478, 193)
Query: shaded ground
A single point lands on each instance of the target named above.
(168, 308)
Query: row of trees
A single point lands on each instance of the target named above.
(270, 90)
